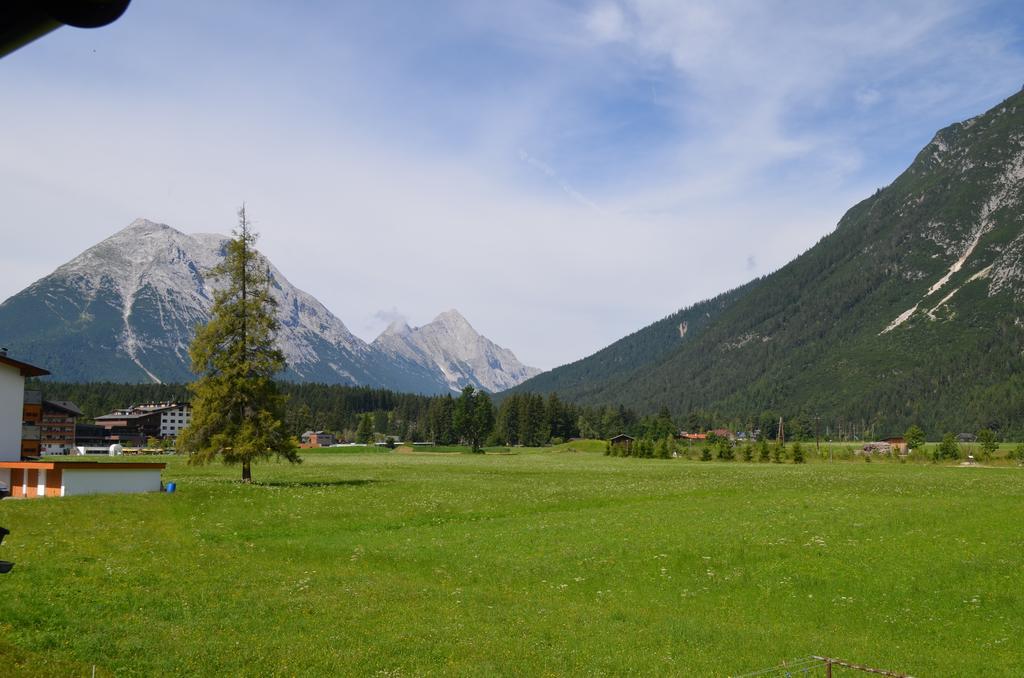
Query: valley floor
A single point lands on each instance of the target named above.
(538, 562)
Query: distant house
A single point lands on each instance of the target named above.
(724, 433)
(622, 440)
(897, 443)
(693, 436)
(967, 438)
(317, 439)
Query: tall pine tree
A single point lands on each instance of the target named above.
(237, 411)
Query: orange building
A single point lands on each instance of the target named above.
(31, 424)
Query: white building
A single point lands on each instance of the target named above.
(176, 417)
(12, 408)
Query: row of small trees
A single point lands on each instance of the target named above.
(720, 448)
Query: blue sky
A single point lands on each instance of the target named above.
(562, 173)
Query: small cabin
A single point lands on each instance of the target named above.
(622, 440)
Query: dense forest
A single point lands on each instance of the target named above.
(358, 413)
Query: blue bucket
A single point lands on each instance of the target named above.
(171, 487)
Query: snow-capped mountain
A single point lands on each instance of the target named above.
(126, 309)
(450, 344)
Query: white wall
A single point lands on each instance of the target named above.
(12, 405)
(114, 481)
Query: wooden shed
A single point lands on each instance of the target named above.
(623, 440)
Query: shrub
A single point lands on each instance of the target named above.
(705, 453)
(948, 448)
(798, 453)
(748, 452)
(725, 451)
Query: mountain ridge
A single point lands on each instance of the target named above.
(910, 311)
(126, 309)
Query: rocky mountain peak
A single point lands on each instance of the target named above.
(450, 344)
(126, 309)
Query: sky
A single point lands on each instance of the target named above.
(562, 173)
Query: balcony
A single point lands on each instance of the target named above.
(29, 432)
(33, 397)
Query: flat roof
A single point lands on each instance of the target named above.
(50, 465)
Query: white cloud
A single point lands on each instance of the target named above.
(606, 22)
(674, 149)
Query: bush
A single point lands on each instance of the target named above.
(798, 453)
(948, 448)
(705, 453)
(725, 451)
(763, 453)
(779, 453)
(748, 452)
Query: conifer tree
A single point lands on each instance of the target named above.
(763, 453)
(989, 444)
(237, 411)
(914, 437)
(473, 417)
(364, 433)
(798, 452)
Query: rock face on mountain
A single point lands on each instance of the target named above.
(912, 310)
(451, 345)
(126, 310)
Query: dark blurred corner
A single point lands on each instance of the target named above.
(22, 21)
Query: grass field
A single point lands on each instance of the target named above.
(559, 561)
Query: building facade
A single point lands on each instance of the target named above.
(135, 424)
(12, 410)
(174, 419)
(31, 424)
(57, 426)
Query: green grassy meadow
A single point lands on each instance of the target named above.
(553, 562)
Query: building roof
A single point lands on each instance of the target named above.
(623, 436)
(26, 369)
(113, 416)
(64, 405)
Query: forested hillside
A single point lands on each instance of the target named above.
(910, 311)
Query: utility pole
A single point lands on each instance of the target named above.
(817, 445)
